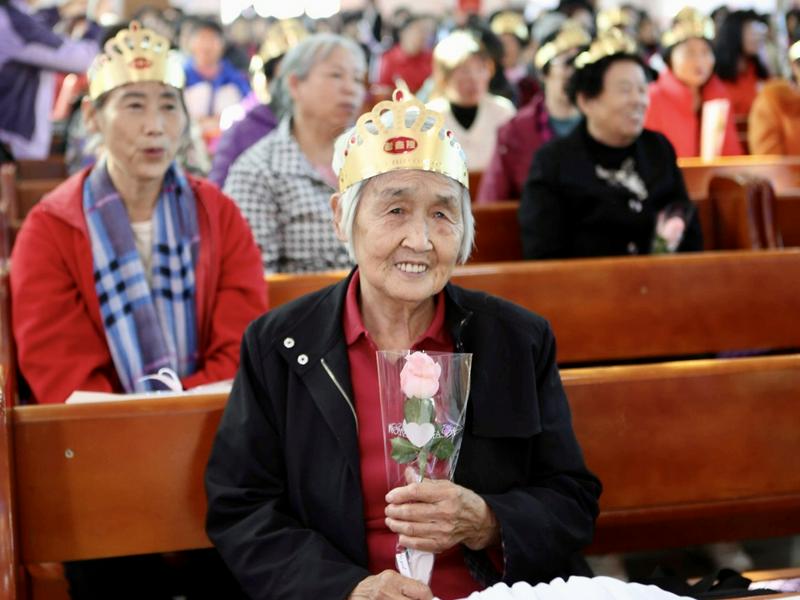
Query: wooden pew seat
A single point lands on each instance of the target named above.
(111, 479)
(691, 452)
(688, 453)
(612, 309)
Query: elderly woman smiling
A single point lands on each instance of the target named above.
(603, 189)
(298, 501)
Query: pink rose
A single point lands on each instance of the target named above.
(420, 376)
(671, 231)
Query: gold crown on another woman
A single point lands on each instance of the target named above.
(510, 22)
(611, 18)
(455, 49)
(416, 139)
(608, 43)
(571, 37)
(688, 23)
(794, 52)
(133, 55)
(281, 37)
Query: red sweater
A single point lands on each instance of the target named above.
(450, 578)
(672, 113)
(414, 70)
(61, 344)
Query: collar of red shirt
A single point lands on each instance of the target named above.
(354, 325)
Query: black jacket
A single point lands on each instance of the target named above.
(568, 211)
(283, 481)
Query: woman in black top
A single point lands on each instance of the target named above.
(601, 190)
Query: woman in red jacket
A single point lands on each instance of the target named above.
(132, 266)
(678, 96)
(129, 267)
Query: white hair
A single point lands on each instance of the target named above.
(350, 198)
(299, 61)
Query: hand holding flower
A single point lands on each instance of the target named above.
(437, 515)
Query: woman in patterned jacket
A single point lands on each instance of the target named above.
(283, 183)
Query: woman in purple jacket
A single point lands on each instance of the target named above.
(30, 56)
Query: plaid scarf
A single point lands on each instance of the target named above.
(146, 329)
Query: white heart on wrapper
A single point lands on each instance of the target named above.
(419, 434)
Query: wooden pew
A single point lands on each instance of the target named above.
(497, 236)
(146, 456)
(694, 452)
(691, 452)
(9, 553)
(52, 167)
(743, 213)
(612, 309)
(19, 196)
(782, 171)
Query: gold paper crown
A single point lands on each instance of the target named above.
(510, 22)
(571, 37)
(612, 18)
(135, 54)
(455, 49)
(415, 140)
(794, 52)
(612, 42)
(688, 23)
(280, 37)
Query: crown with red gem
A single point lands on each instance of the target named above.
(415, 138)
(133, 55)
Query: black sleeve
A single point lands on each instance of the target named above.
(270, 553)
(542, 214)
(546, 522)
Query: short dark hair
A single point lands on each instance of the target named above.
(199, 24)
(588, 81)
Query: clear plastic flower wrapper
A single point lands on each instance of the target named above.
(423, 407)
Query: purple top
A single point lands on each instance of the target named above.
(30, 53)
(256, 124)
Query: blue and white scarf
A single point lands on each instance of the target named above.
(146, 329)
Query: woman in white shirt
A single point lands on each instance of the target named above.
(462, 70)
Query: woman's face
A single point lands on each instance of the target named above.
(617, 113)
(511, 50)
(142, 126)
(407, 234)
(333, 91)
(752, 37)
(693, 62)
(469, 81)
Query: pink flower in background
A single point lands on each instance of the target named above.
(420, 376)
(670, 230)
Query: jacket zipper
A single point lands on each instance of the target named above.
(341, 390)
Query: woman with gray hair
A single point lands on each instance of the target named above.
(298, 501)
(283, 182)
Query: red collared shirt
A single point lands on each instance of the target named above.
(451, 578)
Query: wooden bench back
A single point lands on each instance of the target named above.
(614, 309)
(8, 541)
(692, 452)
(109, 479)
(19, 196)
(497, 235)
(782, 171)
(52, 167)
(743, 212)
(696, 452)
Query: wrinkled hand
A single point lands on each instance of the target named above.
(437, 515)
(390, 585)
